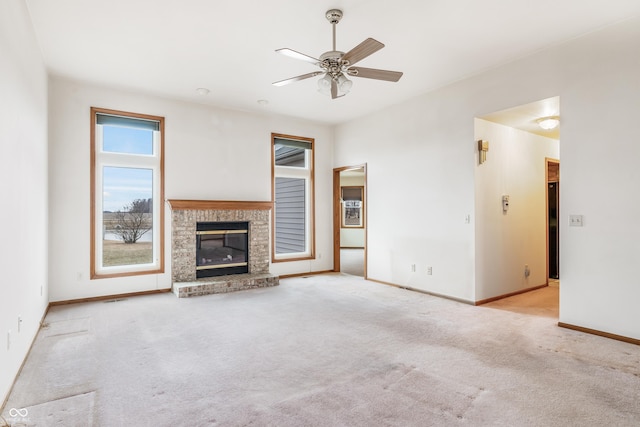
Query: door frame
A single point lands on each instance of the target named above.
(547, 162)
(337, 215)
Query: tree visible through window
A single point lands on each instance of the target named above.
(126, 193)
(293, 197)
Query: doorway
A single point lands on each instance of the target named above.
(553, 223)
(349, 220)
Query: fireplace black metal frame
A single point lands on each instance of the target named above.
(223, 229)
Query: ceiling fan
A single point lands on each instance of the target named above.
(336, 65)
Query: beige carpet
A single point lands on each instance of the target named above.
(331, 350)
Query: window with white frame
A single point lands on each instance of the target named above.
(126, 194)
(292, 187)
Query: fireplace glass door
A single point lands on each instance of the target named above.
(221, 248)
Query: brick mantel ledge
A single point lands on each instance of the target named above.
(177, 204)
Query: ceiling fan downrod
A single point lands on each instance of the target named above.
(334, 16)
(331, 60)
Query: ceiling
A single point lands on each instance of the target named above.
(170, 48)
(353, 173)
(525, 117)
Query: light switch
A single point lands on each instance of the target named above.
(575, 221)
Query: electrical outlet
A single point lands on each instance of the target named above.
(527, 272)
(19, 323)
(9, 340)
(430, 271)
(413, 268)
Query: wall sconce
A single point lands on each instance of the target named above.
(483, 147)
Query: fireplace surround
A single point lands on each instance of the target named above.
(185, 216)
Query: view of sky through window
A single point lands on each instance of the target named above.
(123, 185)
(120, 139)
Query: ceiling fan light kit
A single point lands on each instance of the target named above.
(324, 85)
(337, 65)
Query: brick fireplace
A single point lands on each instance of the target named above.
(185, 216)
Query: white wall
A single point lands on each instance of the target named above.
(352, 237)
(210, 154)
(23, 188)
(506, 242)
(600, 149)
(429, 142)
(419, 189)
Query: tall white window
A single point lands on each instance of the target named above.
(126, 194)
(292, 187)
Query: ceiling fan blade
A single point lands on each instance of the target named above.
(297, 55)
(372, 73)
(334, 89)
(364, 49)
(297, 78)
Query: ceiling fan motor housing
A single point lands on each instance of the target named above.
(331, 62)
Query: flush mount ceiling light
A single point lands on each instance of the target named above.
(203, 91)
(548, 123)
